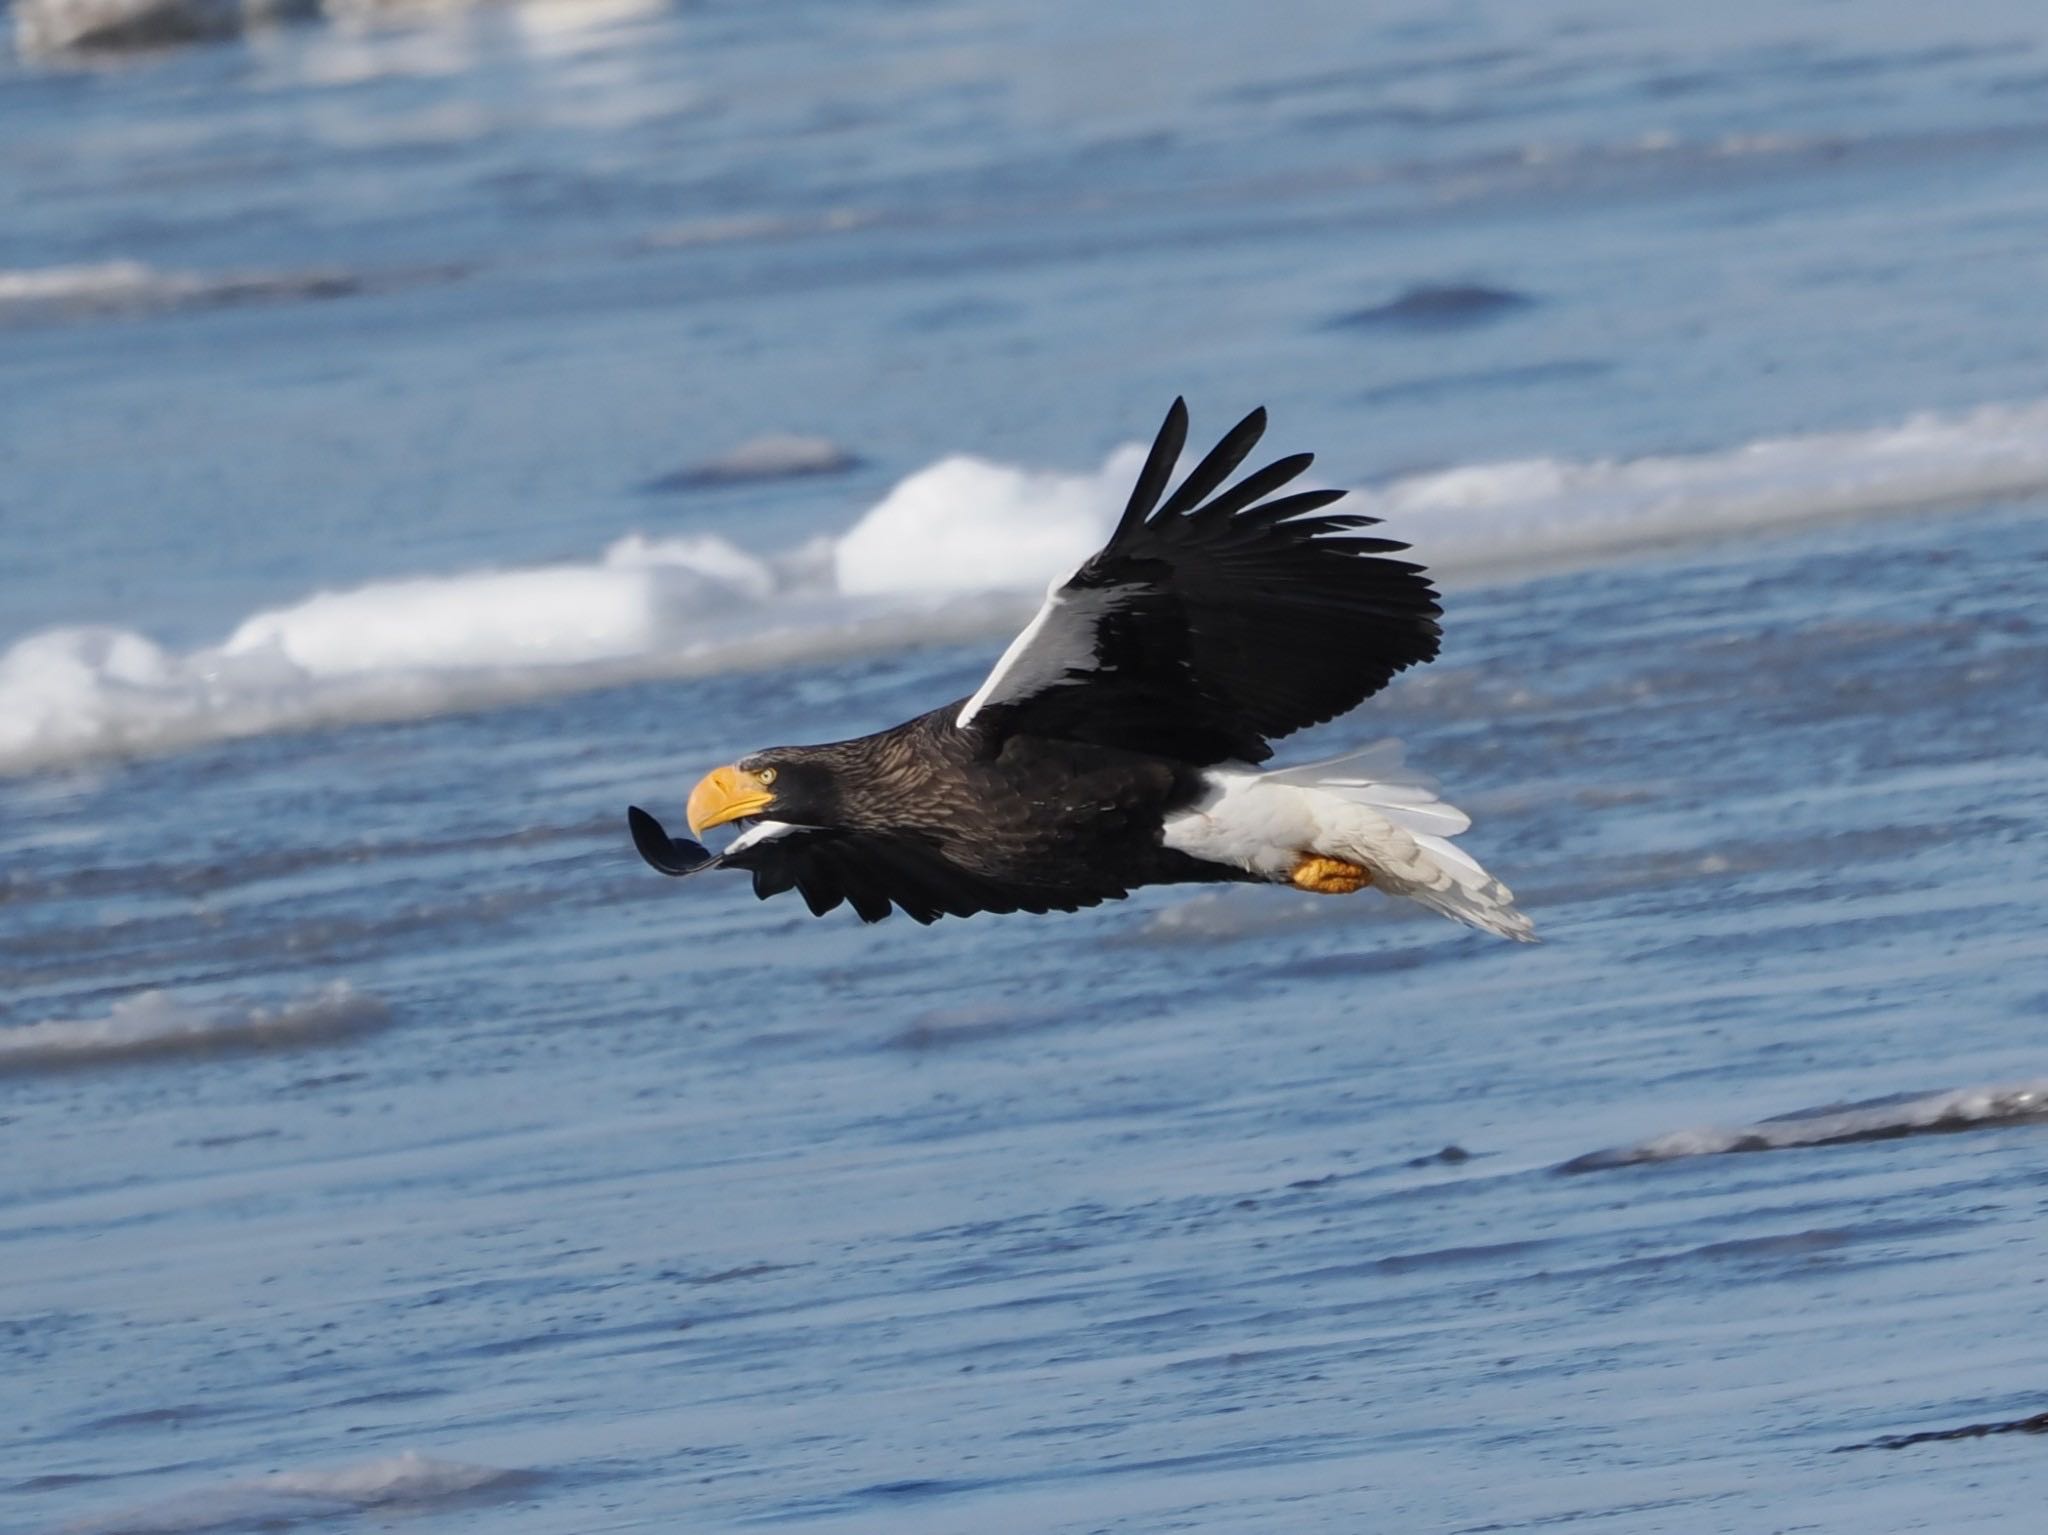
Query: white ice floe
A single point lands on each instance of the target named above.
(966, 524)
(159, 1023)
(1490, 517)
(551, 615)
(1967, 1108)
(393, 1482)
(949, 554)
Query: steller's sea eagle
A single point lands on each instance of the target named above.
(1115, 743)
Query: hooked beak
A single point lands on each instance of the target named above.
(726, 794)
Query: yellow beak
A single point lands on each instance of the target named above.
(726, 794)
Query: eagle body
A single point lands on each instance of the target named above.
(1004, 822)
(1117, 743)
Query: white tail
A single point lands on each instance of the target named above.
(1364, 808)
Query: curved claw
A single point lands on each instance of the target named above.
(671, 855)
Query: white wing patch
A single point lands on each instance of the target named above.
(758, 833)
(1059, 641)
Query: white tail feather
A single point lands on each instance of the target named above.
(1365, 808)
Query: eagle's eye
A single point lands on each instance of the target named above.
(766, 775)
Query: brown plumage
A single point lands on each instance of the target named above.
(948, 822)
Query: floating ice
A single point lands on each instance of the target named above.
(115, 286)
(29, 294)
(1881, 1119)
(772, 456)
(113, 26)
(291, 1497)
(1492, 517)
(555, 615)
(58, 26)
(966, 524)
(918, 567)
(158, 1023)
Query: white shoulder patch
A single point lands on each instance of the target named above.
(1059, 640)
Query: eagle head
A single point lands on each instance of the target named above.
(789, 784)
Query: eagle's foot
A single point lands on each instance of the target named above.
(1329, 876)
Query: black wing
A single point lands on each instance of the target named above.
(869, 871)
(1205, 628)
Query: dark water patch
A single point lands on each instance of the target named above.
(1435, 386)
(1451, 1156)
(1879, 1119)
(878, 1496)
(1433, 307)
(1367, 962)
(1779, 1245)
(1362, 79)
(223, 868)
(395, 1396)
(943, 1027)
(217, 1142)
(176, 1416)
(2034, 84)
(1427, 1261)
(2037, 1424)
(919, 1487)
(958, 314)
(743, 1271)
(53, 1481)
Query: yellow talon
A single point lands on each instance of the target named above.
(1329, 876)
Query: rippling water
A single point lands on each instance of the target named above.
(421, 442)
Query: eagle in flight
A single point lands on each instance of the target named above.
(1117, 742)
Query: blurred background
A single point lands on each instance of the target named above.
(425, 428)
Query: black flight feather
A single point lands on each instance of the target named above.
(1216, 468)
(1173, 436)
(1229, 624)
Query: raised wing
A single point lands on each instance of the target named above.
(873, 872)
(1215, 622)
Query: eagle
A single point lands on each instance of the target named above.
(1118, 741)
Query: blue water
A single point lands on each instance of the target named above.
(374, 1122)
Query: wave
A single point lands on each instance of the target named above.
(955, 552)
(393, 1482)
(91, 289)
(156, 1023)
(1879, 1119)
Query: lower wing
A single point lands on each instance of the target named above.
(873, 872)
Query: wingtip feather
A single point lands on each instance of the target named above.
(1159, 464)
